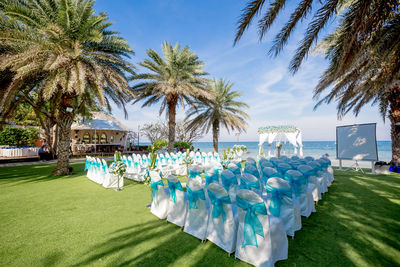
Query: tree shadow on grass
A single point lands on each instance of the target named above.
(354, 225)
(152, 243)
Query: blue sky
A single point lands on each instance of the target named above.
(274, 95)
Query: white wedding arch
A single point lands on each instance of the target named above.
(281, 133)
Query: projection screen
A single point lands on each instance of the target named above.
(357, 142)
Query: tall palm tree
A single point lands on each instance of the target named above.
(363, 52)
(175, 79)
(70, 53)
(223, 110)
(373, 77)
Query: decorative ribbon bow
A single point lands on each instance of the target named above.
(276, 198)
(211, 178)
(87, 163)
(252, 225)
(193, 174)
(252, 171)
(226, 182)
(249, 185)
(295, 183)
(173, 187)
(154, 186)
(193, 196)
(217, 202)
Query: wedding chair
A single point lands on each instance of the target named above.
(313, 185)
(298, 185)
(211, 176)
(252, 170)
(295, 158)
(282, 168)
(309, 158)
(160, 202)
(195, 173)
(323, 181)
(177, 204)
(250, 182)
(197, 213)
(269, 172)
(266, 164)
(281, 204)
(251, 161)
(235, 169)
(222, 223)
(261, 239)
(99, 172)
(284, 158)
(230, 183)
(327, 174)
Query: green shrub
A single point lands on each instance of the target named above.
(14, 136)
(185, 145)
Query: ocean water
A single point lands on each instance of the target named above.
(310, 148)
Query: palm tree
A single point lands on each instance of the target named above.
(363, 52)
(71, 56)
(374, 76)
(222, 110)
(175, 79)
(365, 16)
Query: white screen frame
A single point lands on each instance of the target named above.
(337, 142)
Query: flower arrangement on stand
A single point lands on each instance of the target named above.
(239, 150)
(118, 168)
(158, 144)
(187, 161)
(228, 156)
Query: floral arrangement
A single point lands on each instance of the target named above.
(228, 155)
(278, 129)
(118, 167)
(237, 148)
(278, 144)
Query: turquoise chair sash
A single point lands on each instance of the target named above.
(252, 170)
(87, 165)
(249, 185)
(193, 196)
(276, 198)
(228, 181)
(217, 202)
(211, 178)
(173, 187)
(296, 183)
(252, 225)
(193, 174)
(154, 186)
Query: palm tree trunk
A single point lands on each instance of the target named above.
(171, 123)
(215, 135)
(394, 116)
(64, 123)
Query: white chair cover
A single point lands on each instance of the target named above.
(197, 214)
(177, 204)
(222, 224)
(305, 197)
(266, 250)
(160, 202)
(289, 209)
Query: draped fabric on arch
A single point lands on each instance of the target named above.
(299, 140)
(293, 136)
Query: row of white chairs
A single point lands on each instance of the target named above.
(98, 171)
(12, 152)
(206, 223)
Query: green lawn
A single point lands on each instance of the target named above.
(71, 221)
